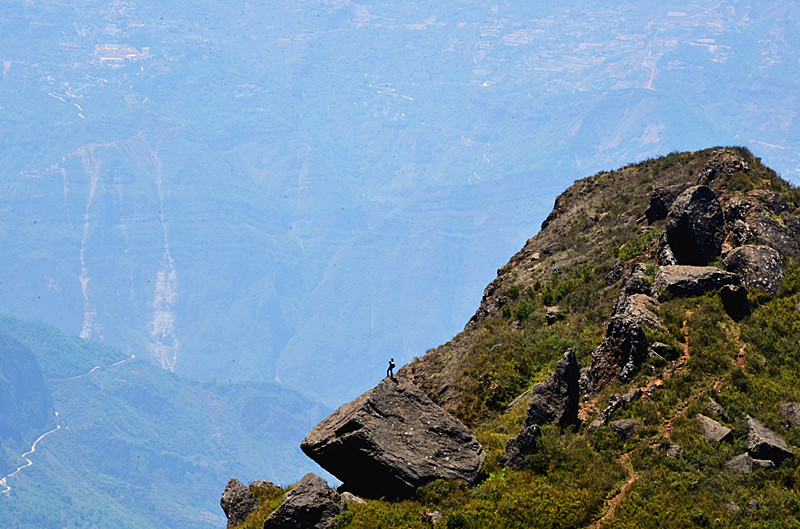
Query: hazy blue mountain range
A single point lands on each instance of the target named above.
(242, 189)
(127, 444)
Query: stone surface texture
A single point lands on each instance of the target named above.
(712, 430)
(759, 267)
(556, 399)
(391, 440)
(791, 411)
(520, 447)
(661, 199)
(696, 226)
(237, 502)
(311, 504)
(625, 427)
(686, 281)
(763, 443)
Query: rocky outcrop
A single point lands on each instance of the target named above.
(556, 399)
(237, 502)
(311, 504)
(791, 412)
(763, 443)
(759, 267)
(264, 485)
(520, 447)
(624, 346)
(686, 281)
(637, 283)
(661, 199)
(723, 163)
(712, 430)
(695, 226)
(391, 440)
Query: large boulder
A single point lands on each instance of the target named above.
(311, 504)
(686, 281)
(520, 447)
(759, 267)
(712, 430)
(238, 502)
(556, 399)
(695, 226)
(661, 199)
(763, 443)
(391, 440)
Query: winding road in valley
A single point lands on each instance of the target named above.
(28, 462)
(5, 488)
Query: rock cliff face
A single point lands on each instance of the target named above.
(391, 440)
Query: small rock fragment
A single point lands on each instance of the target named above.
(741, 463)
(718, 410)
(349, 497)
(626, 428)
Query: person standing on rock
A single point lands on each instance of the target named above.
(390, 369)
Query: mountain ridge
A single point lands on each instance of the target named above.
(645, 441)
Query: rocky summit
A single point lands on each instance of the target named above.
(391, 440)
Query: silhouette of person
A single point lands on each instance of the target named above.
(390, 370)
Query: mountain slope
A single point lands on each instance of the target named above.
(137, 446)
(641, 446)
